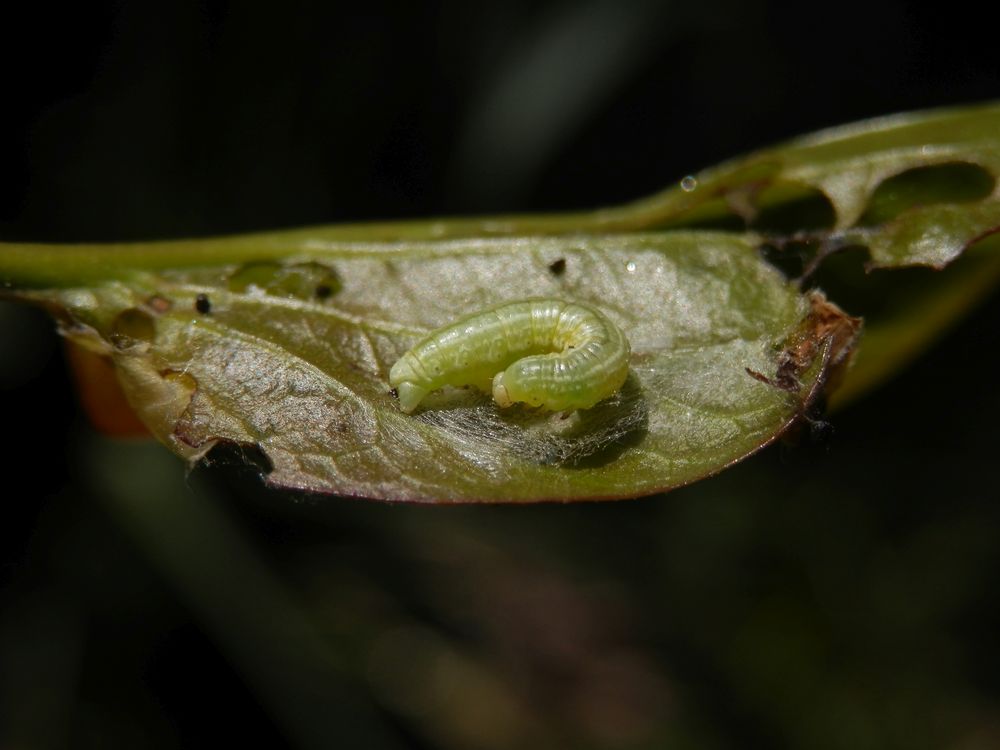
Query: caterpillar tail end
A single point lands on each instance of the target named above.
(500, 393)
(409, 396)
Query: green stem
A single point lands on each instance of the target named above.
(38, 264)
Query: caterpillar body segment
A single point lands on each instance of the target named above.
(544, 352)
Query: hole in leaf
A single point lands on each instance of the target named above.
(131, 326)
(842, 277)
(872, 294)
(957, 182)
(790, 258)
(238, 458)
(788, 208)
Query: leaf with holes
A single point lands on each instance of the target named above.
(284, 341)
(294, 356)
(913, 191)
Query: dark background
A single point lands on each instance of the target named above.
(832, 595)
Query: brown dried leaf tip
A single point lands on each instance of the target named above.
(825, 327)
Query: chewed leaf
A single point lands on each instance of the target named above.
(936, 173)
(284, 341)
(725, 355)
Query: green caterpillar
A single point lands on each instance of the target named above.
(542, 352)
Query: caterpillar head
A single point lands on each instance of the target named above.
(409, 396)
(500, 393)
